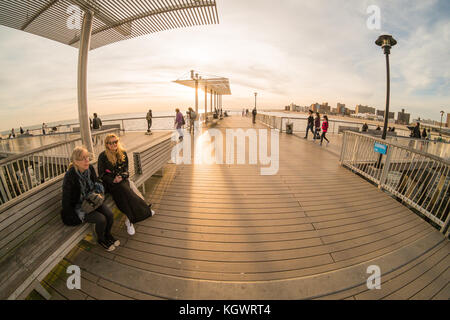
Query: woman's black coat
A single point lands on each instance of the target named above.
(126, 200)
(71, 195)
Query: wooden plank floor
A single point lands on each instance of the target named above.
(224, 231)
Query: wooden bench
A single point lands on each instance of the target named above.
(347, 128)
(150, 159)
(33, 238)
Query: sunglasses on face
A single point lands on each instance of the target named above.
(112, 142)
(87, 158)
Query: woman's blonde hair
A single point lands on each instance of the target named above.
(77, 154)
(112, 156)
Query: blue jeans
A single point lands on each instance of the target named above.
(309, 127)
(316, 133)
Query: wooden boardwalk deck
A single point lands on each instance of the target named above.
(227, 232)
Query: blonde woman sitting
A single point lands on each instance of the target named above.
(113, 170)
(79, 182)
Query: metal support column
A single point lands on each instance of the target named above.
(196, 97)
(206, 102)
(83, 116)
(211, 101)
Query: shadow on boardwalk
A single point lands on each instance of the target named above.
(310, 231)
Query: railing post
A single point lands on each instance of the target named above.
(344, 140)
(386, 166)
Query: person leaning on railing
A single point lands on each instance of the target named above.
(80, 182)
(113, 171)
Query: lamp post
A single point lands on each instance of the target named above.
(386, 42)
(440, 127)
(256, 93)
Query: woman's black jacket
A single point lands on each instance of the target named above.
(71, 195)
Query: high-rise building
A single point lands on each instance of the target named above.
(364, 109)
(402, 117)
(315, 107)
(381, 114)
(324, 108)
(340, 108)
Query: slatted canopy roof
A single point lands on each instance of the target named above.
(219, 85)
(114, 20)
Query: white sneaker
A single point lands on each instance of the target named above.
(153, 212)
(130, 228)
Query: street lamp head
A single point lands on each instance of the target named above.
(386, 42)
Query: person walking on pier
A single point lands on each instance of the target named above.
(324, 130)
(149, 118)
(192, 119)
(310, 125)
(254, 112)
(424, 133)
(81, 188)
(179, 123)
(317, 127)
(113, 171)
(416, 131)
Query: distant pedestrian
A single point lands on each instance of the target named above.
(192, 119)
(246, 112)
(378, 128)
(21, 130)
(365, 127)
(424, 133)
(243, 111)
(416, 131)
(149, 118)
(179, 123)
(44, 127)
(13, 134)
(253, 114)
(316, 127)
(310, 124)
(324, 130)
(96, 122)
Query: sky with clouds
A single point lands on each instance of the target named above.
(287, 51)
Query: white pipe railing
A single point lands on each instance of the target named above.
(419, 179)
(23, 172)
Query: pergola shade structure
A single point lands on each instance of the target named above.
(219, 86)
(216, 86)
(90, 24)
(113, 20)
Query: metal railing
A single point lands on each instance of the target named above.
(21, 173)
(272, 121)
(418, 179)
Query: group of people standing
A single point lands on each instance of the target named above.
(81, 183)
(315, 127)
(180, 121)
